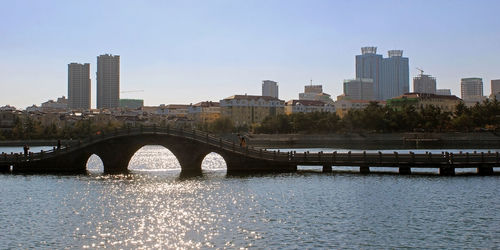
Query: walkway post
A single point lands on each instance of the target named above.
(327, 168)
(363, 169)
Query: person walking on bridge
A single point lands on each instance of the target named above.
(26, 150)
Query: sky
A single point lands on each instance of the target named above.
(181, 52)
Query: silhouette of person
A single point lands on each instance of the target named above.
(58, 144)
(243, 142)
(26, 150)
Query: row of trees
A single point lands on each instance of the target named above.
(375, 118)
(27, 128)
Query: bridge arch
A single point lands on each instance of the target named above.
(214, 161)
(153, 157)
(94, 164)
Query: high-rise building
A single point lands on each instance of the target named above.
(359, 89)
(471, 88)
(390, 75)
(108, 81)
(443, 91)
(472, 91)
(270, 88)
(79, 86)
(395, 76)
(424, 84)
(369, 65)
(495, 86)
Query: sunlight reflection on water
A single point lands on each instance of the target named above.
(158, 158)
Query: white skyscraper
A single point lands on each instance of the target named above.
(270, 88)
(79, 86)
(108, 81)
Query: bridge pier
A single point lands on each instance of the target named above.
(327, 168)
(190, 164)
(364, 169)
(447, 171)
(485, 170)
(4, 168)
(405, 170)
(115, 165)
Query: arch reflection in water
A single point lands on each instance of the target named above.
(154, 158)
(95, 164)
(213, 162)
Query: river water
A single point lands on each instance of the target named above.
(155, 207)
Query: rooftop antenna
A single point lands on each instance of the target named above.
(311, 82)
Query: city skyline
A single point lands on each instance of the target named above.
(190, 52)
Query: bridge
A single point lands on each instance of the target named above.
(191, 146)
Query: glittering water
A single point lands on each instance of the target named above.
(154, 207)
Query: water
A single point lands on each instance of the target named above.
(155, 207)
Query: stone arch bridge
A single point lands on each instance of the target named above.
(117, 148)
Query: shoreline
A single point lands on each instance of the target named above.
(377, 140)
(346, 140)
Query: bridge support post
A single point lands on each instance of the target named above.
(4, 168)
(364, 169)
(327, 168)
(404, 170)
(485, 170)
(447, 171)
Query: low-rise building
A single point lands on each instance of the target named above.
(177, 110)
(308, 106)
(8, 119)
(131, 103)
(445, 102)
(315, 93)
(345, 105)
(55, 106)
(8, 108)
(33, 108)
(204, 112)
(250, 109)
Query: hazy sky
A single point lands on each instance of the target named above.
(189, 51)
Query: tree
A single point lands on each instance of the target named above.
(222, 125)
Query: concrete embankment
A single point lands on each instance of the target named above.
(377, 140)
